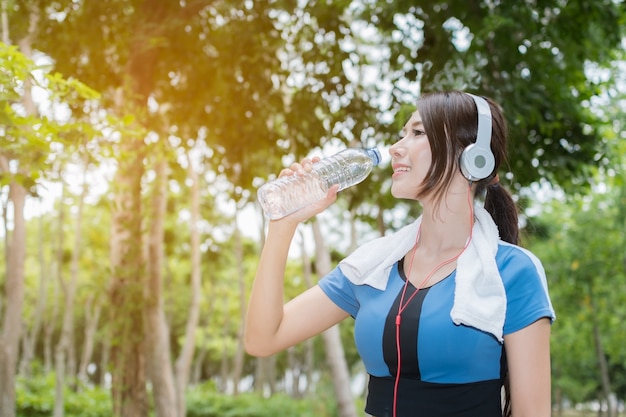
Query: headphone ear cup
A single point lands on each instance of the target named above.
(477, 162)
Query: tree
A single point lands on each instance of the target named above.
(26, 143)
(532, 58)
(334, 348)
(582, 252)
(157, 331)
(137, 66)
(183, 363)
(69, 293)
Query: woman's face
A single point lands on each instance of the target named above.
(411, 158)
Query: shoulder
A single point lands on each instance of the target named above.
(340, 290)
(526, 286)
(514, 261)
(508, 252)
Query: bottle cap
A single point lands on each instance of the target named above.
(375, 155)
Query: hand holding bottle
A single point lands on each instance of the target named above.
(310, 210)
(309, 182)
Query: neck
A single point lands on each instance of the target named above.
(447, 225)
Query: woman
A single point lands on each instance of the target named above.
(448, 309)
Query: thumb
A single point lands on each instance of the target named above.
(324, 203)
(331, 195)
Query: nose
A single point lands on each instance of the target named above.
(395, 150)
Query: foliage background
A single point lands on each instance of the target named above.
(245, 87)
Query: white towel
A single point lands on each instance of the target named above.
(479, 296)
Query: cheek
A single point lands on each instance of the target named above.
(424, 157)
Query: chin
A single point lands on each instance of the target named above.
(404, 194)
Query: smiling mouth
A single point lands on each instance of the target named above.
(401, 169)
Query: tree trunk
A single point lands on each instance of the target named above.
(183, 363)
(221, 295)
(47, 341)
(159, 358)
(128, 287)
(14, 296)
(558, 400)
(241, 274)
(14, 281)
(290, 377)
(225, 358)
(5, 228)
(265, 375)
(309, 353)
(380, 221)
(332, 338)
(260, 374)
(605, 378)
(104, 360)
(30, 339)
(127, 284)
(272, 377)
(4, 16)
(198, 364)
(50, 326)
(93, 308)
(69, 293)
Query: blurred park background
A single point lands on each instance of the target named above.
(135, 133)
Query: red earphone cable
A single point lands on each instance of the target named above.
(403, 305)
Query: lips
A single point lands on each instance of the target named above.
(400, 169)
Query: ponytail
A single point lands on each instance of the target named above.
(502, 208)
(500, 204)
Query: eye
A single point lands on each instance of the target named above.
(418, 132)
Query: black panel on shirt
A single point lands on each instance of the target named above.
(409, 329)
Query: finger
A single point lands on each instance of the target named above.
(286, 172)
(295, 168)
(302, 167)
(307, 164)
(298, 167)
(331, 195)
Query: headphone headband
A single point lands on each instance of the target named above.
(477, 160)
(483, 136)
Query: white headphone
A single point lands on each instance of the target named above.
(477, 160)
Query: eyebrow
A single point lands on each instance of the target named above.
(413, 125)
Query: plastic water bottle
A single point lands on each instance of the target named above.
(285, 195)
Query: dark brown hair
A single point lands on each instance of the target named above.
(451, 121)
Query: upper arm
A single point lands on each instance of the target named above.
(528, 360)
(305, 316)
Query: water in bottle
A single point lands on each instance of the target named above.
(285, 195)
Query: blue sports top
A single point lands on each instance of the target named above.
(441, 362)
